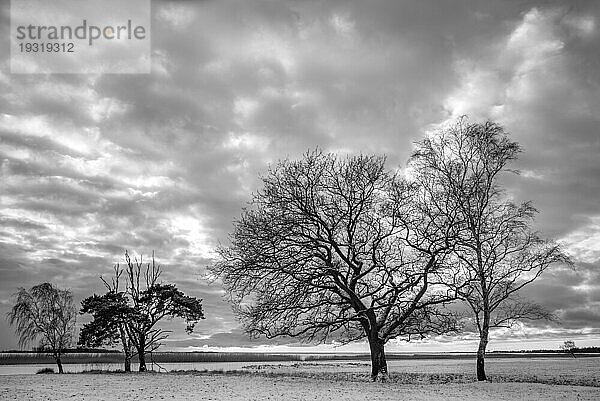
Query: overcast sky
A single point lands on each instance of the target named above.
(91, 165)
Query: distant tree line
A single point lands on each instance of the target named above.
(576, 350)
(77, 350)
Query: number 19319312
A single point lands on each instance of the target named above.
(47, 47)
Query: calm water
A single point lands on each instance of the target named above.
(541, 367)
(30, 369)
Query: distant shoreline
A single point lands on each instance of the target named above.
(18, 358)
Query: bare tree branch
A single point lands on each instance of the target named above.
(337, 248)
(496, 254)
(47, 314)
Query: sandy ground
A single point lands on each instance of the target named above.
(151, 386)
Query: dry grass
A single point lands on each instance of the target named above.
(399, 378)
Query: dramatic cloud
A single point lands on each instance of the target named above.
(91, 165)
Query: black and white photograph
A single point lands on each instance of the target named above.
(300, 200)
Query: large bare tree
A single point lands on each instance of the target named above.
(45, 313)
(337, 248)
(497, 252)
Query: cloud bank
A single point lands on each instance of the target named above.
(91, 165)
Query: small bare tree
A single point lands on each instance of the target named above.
(111, 314)
(497, 253)
(132, 315)
(337, 248)
(46, 313)
(142, 330)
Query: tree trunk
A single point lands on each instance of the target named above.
(127, 360)
(59, 363)
(484, 329)
(142, 360)
(378, 363)
(126, 349)
(481, 357)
